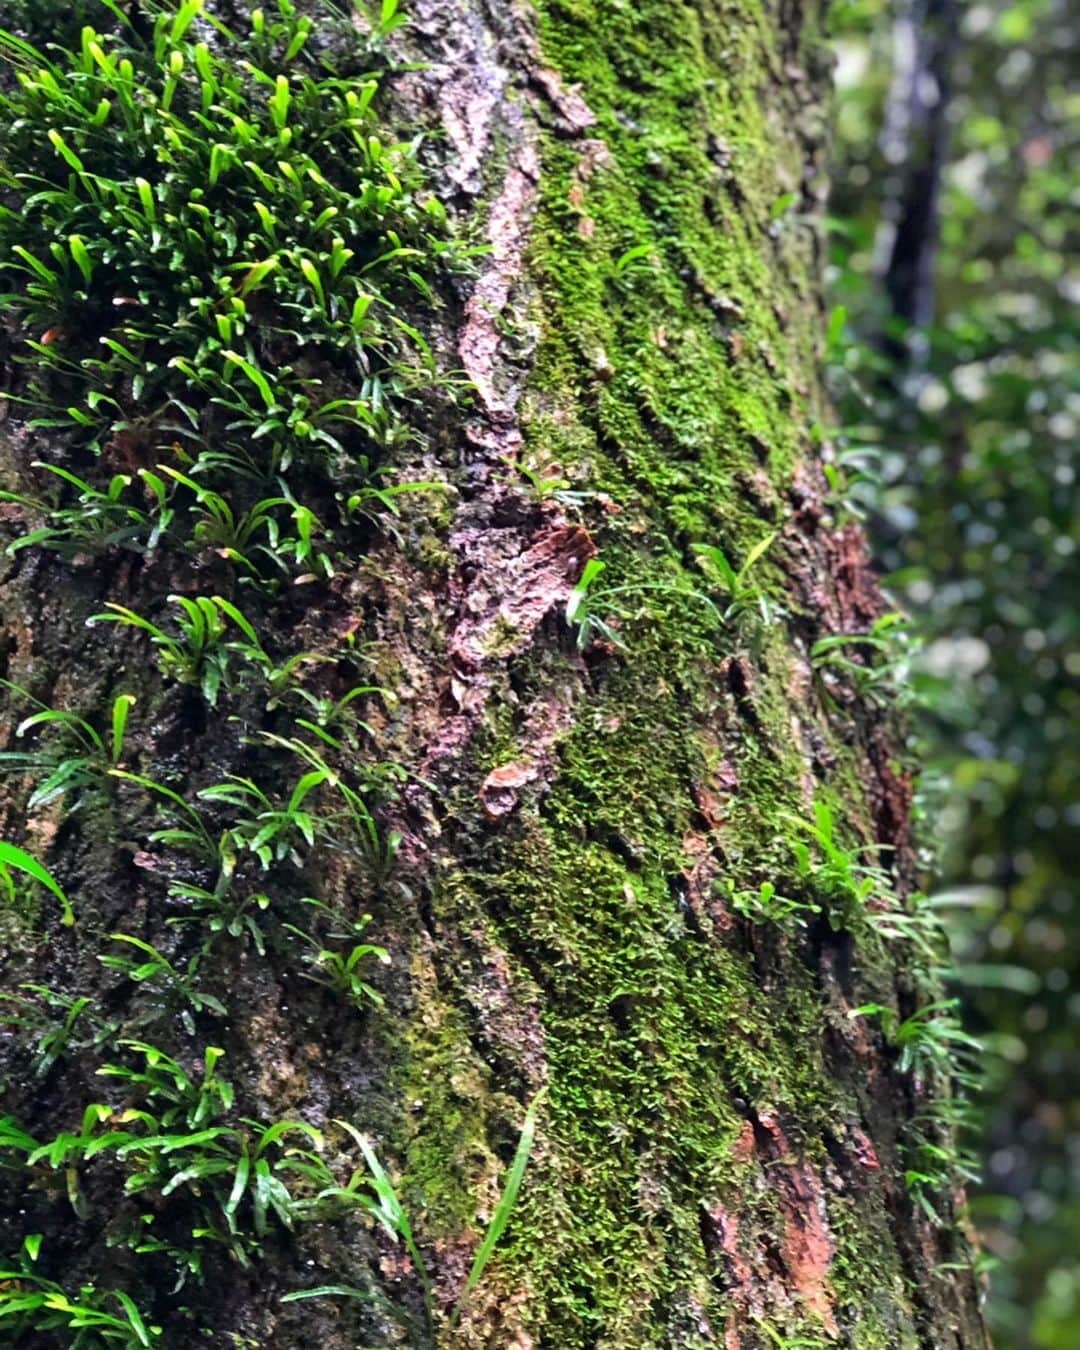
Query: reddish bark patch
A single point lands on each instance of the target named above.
(571, 110)
(865, 1151)
(480, 338)
(793, 1267)
(743, 1148)
(700, 878)
(807, 1247)
(498, 792)
(858, 597)
(503, 607)
(548, 717)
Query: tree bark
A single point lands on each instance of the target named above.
(720, 1146)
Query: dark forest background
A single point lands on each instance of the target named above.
(954, 272)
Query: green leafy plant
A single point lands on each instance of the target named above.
(275, 226)
(176, 987)
(95, 520)
(194, 835)
(886, 650)
(765, 906)
(269, 831)
(200, 655)
(254, 536)
(30, 1303)
(206, 244)
(50, 1019)
(224, 1183)
(221, 527)
(545, 483)
(73, 752)
(581, 613)
(743, 592)
(587, 601)
(928, 1040)
(11, 856)
(274, 832)
(916, 920)
(504, 1207)
(353, 826)
(935, 1156)
(341, 968)
(377, 501)
(381, 1200)
(230, 1179)
(334, 720)
(836, 872)
(853, 477)
(223, 908)
(384, 1205)
(932, 1045)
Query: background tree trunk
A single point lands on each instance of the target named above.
(720, 1150)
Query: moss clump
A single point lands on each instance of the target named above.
(666, 368)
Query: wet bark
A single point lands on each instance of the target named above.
(720, 1151)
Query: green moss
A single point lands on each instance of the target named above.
(654, 1028)
(502, 637)
(878, 1313)
(446, 1092)
(679, 358)
(669, 380)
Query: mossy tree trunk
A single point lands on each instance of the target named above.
(583, 813)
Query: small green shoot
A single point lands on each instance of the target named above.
(765, 906)
(202, 652)
(742, 591)
(928, 1040)
(52, 1030)
(12, 856)
(156, 970)
(73, 753)
(586, 601)
(338, 968)
(885, 652)
(29, 1302)
(835, 871)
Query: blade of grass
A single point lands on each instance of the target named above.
(501, 1217)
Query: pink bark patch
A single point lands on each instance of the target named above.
(512, 602)
(499, 789)
(807, 1246)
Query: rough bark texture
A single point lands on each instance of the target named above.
(718, 1159)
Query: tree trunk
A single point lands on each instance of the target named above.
(589, 777)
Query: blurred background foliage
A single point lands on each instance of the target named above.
(959, 387)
